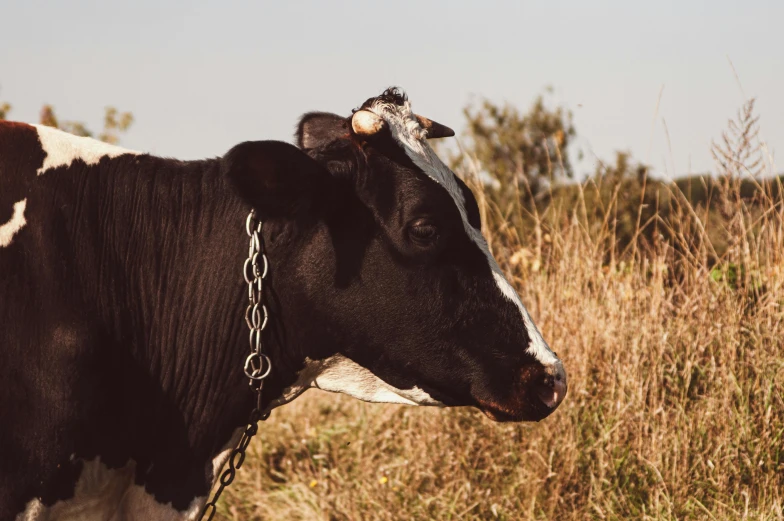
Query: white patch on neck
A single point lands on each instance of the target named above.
(411, 136)
(339, 374)
(63, 148)
(12, 227)
(111, 495)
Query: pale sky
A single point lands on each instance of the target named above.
(201, 76)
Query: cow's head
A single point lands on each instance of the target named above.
(383, 284)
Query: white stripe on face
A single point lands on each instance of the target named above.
(412, 138)
(63, 148)
(12, 227)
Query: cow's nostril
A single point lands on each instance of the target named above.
(552, 388)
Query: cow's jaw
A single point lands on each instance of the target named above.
(339, 374)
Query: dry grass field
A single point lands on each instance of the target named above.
(676, 388)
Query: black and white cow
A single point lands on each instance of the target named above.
(122, 331)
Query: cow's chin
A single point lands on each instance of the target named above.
(530, 411)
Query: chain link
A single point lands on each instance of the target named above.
(257, 365)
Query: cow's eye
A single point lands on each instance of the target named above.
(423, 231)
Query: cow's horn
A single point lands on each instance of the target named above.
(434, 129)
(365, 123)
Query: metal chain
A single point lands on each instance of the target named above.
(257, 365)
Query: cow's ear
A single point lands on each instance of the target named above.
(276, 178)
(317, 129)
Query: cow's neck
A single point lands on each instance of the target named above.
(161, 247)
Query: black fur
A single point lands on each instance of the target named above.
(121, 318)
(317, 129)
(393, 95)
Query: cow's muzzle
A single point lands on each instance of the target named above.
(536, 392)
(552, 388)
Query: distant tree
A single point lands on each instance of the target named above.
(624, 168)
(114, 123)
(523, 152)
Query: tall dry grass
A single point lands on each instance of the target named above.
(675, 407)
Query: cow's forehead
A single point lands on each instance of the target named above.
(410, 135)
(412, 138)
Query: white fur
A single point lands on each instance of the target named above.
(223, 456)
(63, 148)
(339, 374)
(412, 137)
(17, 222)
(104, 494)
